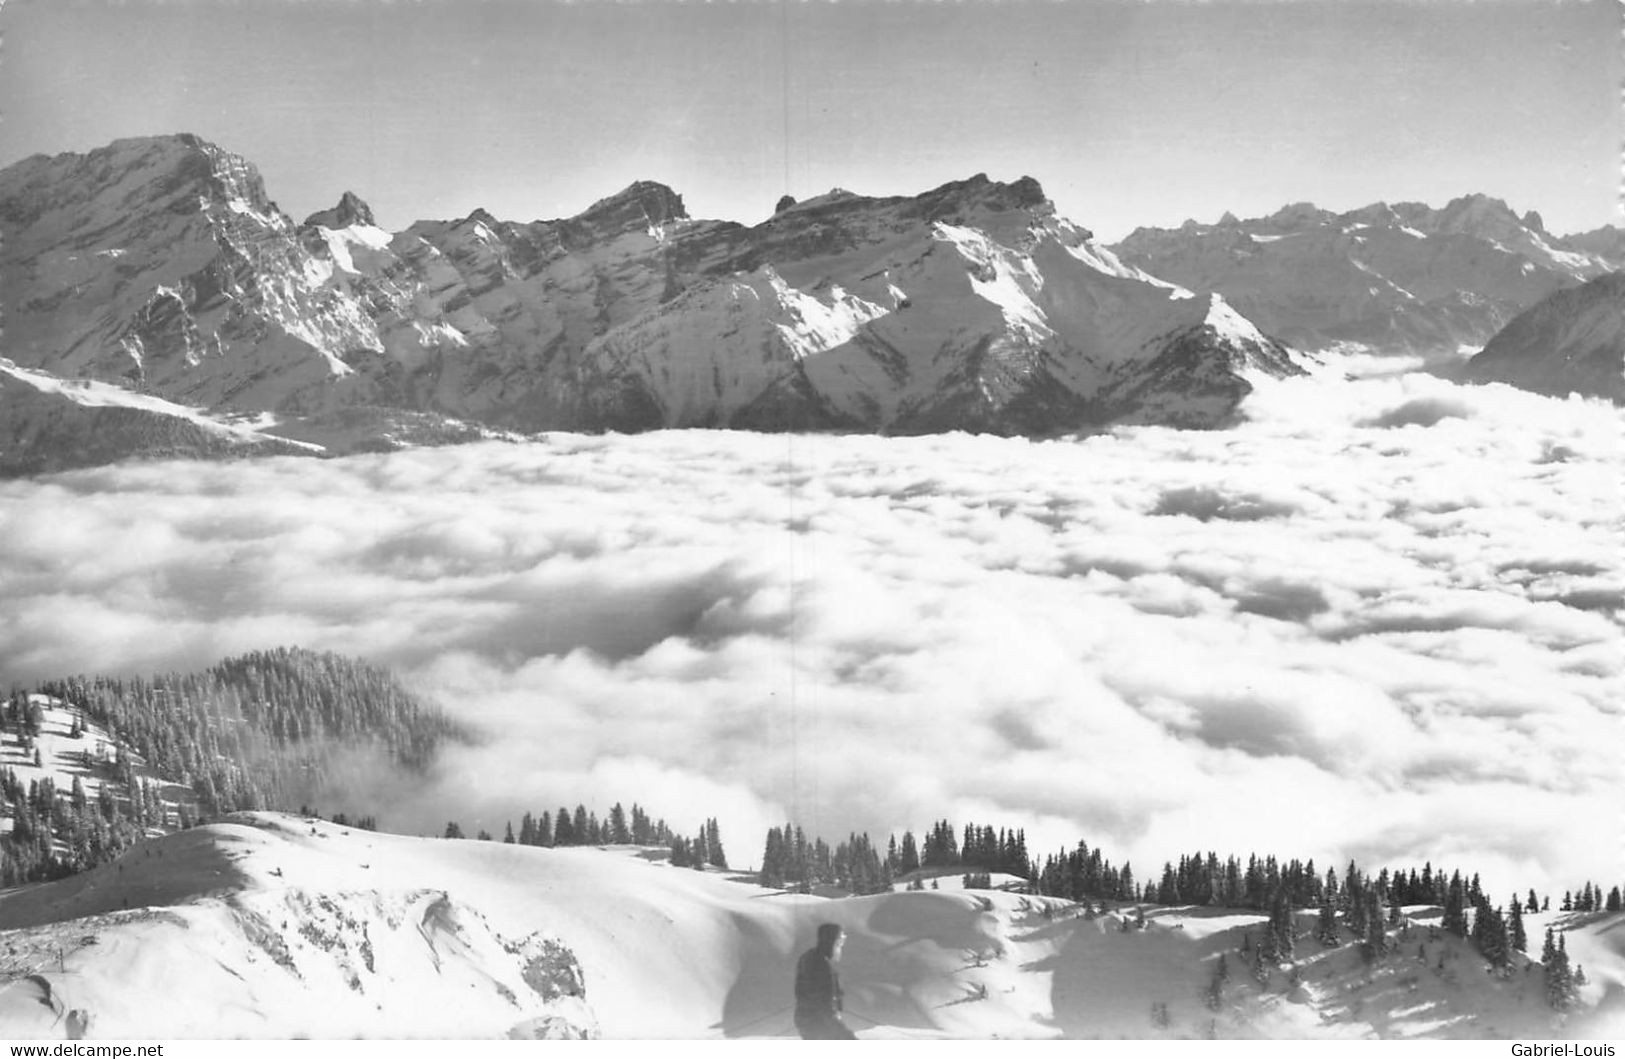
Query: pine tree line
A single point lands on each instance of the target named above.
(701, 851)
(790, 861)
(618, 827)
(584, 828)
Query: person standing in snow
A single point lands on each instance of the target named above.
(818, 989)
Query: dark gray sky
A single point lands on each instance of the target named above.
(1128, 112)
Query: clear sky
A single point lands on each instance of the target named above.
(1128, 112)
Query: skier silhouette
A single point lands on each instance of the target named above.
(818, 989)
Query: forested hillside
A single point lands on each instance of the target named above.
(265, 730)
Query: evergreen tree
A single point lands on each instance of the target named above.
(1560, 988)
(1455, 907)
(453, 830)
(909, 855)
(699, 851)
(1490, 935)
(1516, 936)
(1375, 943)
(563, 832)
(775, 858)
(713, 844)
(1326, 926)
(1279, 938)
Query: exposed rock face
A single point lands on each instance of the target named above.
(350, 211)
(1393, 278)
(160, 265)
(1572, 342)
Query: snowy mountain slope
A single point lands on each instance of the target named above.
(161, 264)
(1392, 278)
(287, 926)
(50, 424)
(1571, 342)
(970, 307)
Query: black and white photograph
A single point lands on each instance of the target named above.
(908, 520)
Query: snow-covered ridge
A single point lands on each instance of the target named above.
(841, 312)
(92, 394)
(1400, 278)
(283, 926)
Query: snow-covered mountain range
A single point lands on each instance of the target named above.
(161, 266)
(283, 926)
(152, 294)
(1389, 278)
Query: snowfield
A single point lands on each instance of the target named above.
(282, 926)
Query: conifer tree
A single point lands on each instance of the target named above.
(1326, 926)
(1516, 936)
(1375, 943)
(563, 832)
(1560, 988)
(909, 855)
(699, 851)
(713, 845)
(774, 857)
(1455, 907)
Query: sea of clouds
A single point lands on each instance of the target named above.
(1381, 619)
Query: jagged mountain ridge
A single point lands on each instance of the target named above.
(1391, 278)
(161, 265)
(1571, 342)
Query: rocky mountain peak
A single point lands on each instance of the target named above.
(1023, 193)
(1477, 214)
(179, 170)
(1376, 214)
(1296, 216)
(641, 206)
(962, 201)
(349, 211)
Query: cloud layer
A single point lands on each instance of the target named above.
(1381, 619)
